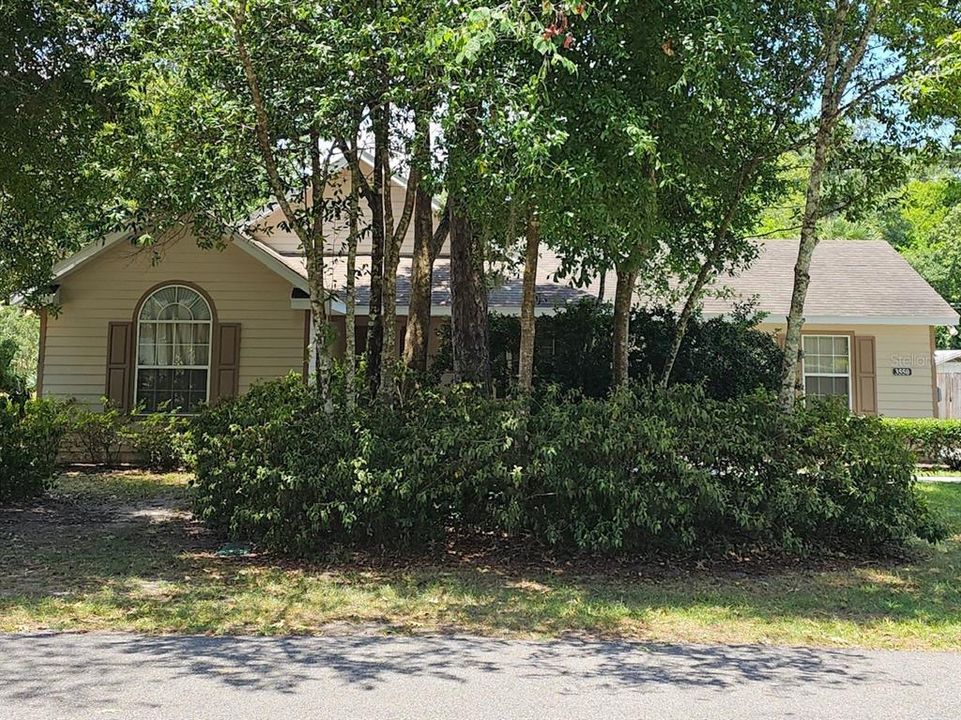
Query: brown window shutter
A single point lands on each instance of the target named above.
(227, 365)
(865, 366)
(119, 364)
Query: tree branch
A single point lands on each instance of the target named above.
(440, 234)
(353, 161)
(857, 53)
(870, 90)
(264, 140)
(412, 182)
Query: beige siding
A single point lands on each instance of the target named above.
(896, 346)
(109, 287)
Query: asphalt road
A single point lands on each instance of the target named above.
(73, 677)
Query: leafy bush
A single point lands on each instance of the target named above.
(934, 441)
(100, 436)
(22, 328)
(12, 384)
(162, 441)
(643, 470)
(728, 356)
(30, 437)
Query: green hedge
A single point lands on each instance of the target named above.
(30, 436)
(729, 356)
(668, 470)
(934, 441)
(159, 441)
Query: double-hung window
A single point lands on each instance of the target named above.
(173, 351)
(827, 366)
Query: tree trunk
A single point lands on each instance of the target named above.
(393, 239)
(378, 237)
(388, 358)
(600, 289)
(623, 298)
(837, 75)
(350, 350)
(311, 238)
(682, 321)
(802, 276)
(525, 379)
(709, 267)
(321, 322)
(469, 321)
(421, 280)
(422, 260)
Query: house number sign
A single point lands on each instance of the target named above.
(901, 371)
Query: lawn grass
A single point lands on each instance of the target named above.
(119, 551)
(923, 472)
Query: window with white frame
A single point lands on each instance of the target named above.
(827, 366)
(173, 351)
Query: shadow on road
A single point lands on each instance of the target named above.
(91, 668)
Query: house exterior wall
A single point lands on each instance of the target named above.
(897, 346)
(108, 288)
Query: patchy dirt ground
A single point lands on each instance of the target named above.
(89, 523)
(86, 499)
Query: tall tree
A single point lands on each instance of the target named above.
(868, 48)
(50, 203)
(747, 70)
(428, 242)
(229, 106)
(480, 77)
(629, 128)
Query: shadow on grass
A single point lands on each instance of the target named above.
(139, 562)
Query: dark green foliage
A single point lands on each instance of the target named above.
(642, 470)
(22, 328)
(12, 384)
(729, 357)
(162, 441)
(55, 103)
(934, 441)
(30, 437)
(99, 437)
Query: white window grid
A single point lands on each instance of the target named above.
(140, 323)
(806, 373)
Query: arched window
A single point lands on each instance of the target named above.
(173, 351)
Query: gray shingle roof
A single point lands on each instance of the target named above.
(550, 293)
(866, 280)
(851, 282)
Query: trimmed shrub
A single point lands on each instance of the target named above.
(934, 441)
(643, 470)
(162, 441)
(99, 436)
(30, 436)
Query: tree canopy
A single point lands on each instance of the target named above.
(644, 140)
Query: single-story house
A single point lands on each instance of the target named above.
(178, 325)
(870, 321)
